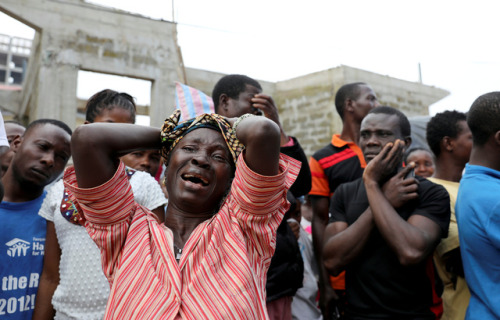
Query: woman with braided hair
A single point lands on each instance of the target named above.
(210, 258)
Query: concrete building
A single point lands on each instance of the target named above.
(307, 103)
(73, 35)
(14, 54)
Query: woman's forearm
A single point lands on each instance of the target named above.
(96, 149)
(261, 138)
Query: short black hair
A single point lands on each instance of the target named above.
(107, 99)
(347, 91)
(232, 85)
(404, 124)
(409, 152)
(443, 124)
(483, 117)
(54, 122)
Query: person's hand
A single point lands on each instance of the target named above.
(453, 263)
(295, 226)
(401, 188)
(380, 168)
(266, 105)
(328, 302)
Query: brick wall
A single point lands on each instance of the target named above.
(307, 104)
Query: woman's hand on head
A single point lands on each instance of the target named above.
(231, 121)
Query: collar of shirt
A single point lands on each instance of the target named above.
(339, 143)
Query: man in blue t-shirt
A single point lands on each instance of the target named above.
(478, 209)
(40, 157)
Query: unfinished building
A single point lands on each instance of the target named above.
(73, 35)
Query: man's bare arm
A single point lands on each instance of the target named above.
(320, 207)
(343, 243)
(49, 279)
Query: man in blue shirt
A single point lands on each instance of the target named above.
(478, 209)
(40, 157)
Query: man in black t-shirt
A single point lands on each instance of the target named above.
(385, 226)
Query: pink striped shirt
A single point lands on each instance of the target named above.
(222, 271)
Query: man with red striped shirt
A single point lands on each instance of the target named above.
(339, 162)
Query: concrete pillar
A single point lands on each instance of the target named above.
(55, 95)
(162, 100)
(79, 35)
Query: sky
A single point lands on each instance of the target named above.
(455, 42)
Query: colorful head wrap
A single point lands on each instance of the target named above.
(172, 132)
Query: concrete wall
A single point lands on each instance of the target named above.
(205, 81)
(412, 98)
(307, 108)
(307, 103)
(74, 35)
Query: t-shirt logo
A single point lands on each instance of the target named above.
(17, 248)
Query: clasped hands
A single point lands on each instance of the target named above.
(386, 171)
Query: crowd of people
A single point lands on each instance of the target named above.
(222, 215)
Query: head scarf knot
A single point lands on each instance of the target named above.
(172, 132)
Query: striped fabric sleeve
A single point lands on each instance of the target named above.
(320, 185)
(261, 201)
(108, 211)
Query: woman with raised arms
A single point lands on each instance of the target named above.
(210, 258)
